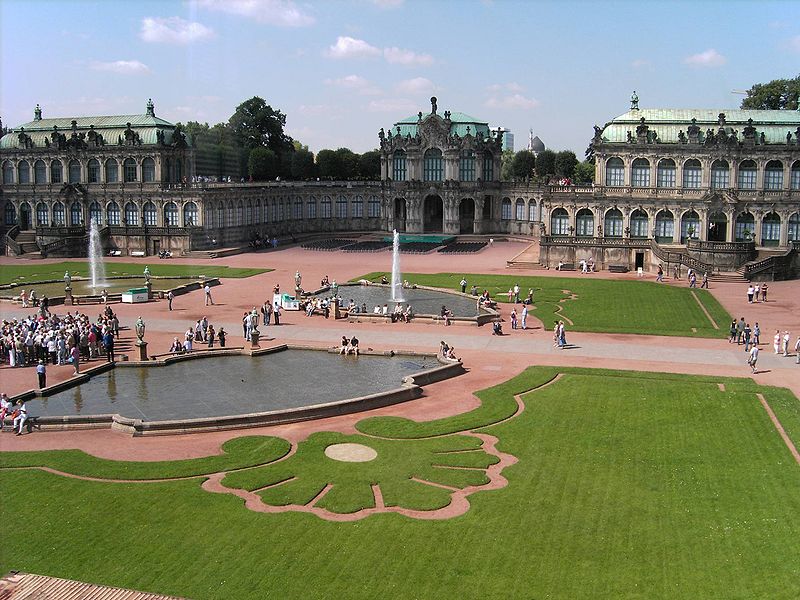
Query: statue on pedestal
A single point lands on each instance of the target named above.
(297, 281)
(67, 281)
(140, 327)
(146, 274)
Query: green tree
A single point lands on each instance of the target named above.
(369, 165)
(584, 172)
(778, 94)
(303, 166)
(328, 164)
(522, 167)
(545, 164)
(565, 163)
(506, 161)
(255, 123)
(262, 164)
(348, 163)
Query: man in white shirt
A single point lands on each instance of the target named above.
(753, 358)
(22, 416)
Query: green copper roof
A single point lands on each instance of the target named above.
(668, 122)
(458, 125)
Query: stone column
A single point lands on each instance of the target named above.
(784, 237)
(477, 224)
(731, 216)
(757, 221)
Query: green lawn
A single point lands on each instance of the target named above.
(628, 485)
(598, 305)
(27, 271)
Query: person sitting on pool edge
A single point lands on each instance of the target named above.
(344, 346)
(353, 349)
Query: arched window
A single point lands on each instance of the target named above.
(640, 173)
(466, 166)
(692, 173)
(220, 215)
(148, 170)
(39, 172)
(42, 215)
(24, 172)
(311, 208)
(399, 165)
(531, 210)
(112, 171)
(747, 175)
(771, 230)
(131, 215)
(505, 209)
(615, 172)
(665, 175)
(559, 222)
(720, 175)
(248, 213)
(358, 207)
(59, 214)
(639, 224)
(744, 227)
(171, 214)
(10, 214)
(613, 223)
(257, 214)
(341, 207)
(717, 227)
(96, 213)
(113, 214)
(93, 171)
(325, 207)
(665, 227)
(150, 213)
(795, 183)
(584, 223)
(794, 228)
(75, 214)
(488, 166)
(374, 206)
(690, 226)
(190, 214)
(74, 171)
(433, 165)
(239, 213)
(129, 170)
(8, 172)
(56, 172)
(519, 210)
(230, 215)
(773, 175)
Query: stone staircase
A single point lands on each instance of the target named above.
(527, 259)
(27, 244)
(729, 277)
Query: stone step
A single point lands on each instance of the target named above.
(534, 266)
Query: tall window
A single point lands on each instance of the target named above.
(466, 166)
(795, 183)
(531, 210)
(559, 222)
(794, 227)
(665, 226)
(75, 214)
(257, 215)
(311, 208)
(39, 172)
(519, 210)
(74, 171)
(692, 173)
(433, 165)
(150, 214)
(488, 166)
(95, 213)
(112, 214)
(220, 215)
(298, 208)
(59, 214)
(613, 223)
(8, 172)
(112, 171)
(358, 207)
(248, 213)
(773, 175)
(505, 209)
(341, 207)
(131, 215)
(771, 230)
(640, 173)
(399, 165)
(10, 217)
(720, 175)
(42, 214)
(148, 170)
(747, 175)
(374, 207)
(129, 168)
(665, 174)
(639, 224)
(24, 172)
(190, 214)
(325, 207)
(171, 214)
(93, 171)
(615, 172)
(239, 213)
(744, 227)
(690, 226)
(584, 222)
(56, 172)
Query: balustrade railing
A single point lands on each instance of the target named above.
(11, 240)
(705, 246)
(671, 257)
(610, 242)
(780, 265)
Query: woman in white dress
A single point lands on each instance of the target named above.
(776, 341)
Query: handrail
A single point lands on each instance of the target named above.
(680, 258)
(571, 240)
(11, 240)
(705, 246)
(774, 263)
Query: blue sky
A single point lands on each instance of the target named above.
(342, 70)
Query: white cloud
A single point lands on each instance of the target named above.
(126, 67)
(283, 13)
(347, 47)
(640, 63)
(388, 3)
(392, 105)
(512, 101)
(418, 85)
(709, 58)
(400, 56)
(355, 82)
(174, 30)
(794, 43)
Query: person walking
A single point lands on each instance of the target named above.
(221, 337)
(756, 334)
(763, 292)
(740, 330)
(752, 358)
(170, 297)
(776, 341)
(705, 281)
(276, 314)
(516, 293)
(756, 292)
(209, 299)
(41, 373)
(786, 339)
(524, 316)
(747, 333)
(108, 344)
(732, 332)
(750, 291)
(660, 274)
(75, 355)
(797, 350)
(513, 318)
(463, 285)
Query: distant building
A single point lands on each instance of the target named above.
(535, 145)
(508, 138)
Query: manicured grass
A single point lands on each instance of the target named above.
(598, 305)
(26, 272)
(628, 485)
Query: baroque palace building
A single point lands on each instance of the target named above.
(709, 188)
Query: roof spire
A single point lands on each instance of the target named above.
(37, 113)
(151, 109)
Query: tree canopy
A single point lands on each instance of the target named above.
(778, 94)
(262, 164)
(255, 123)
(522, 167)
(545, 163)
(565, 163)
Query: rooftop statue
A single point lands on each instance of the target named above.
(634, 101)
